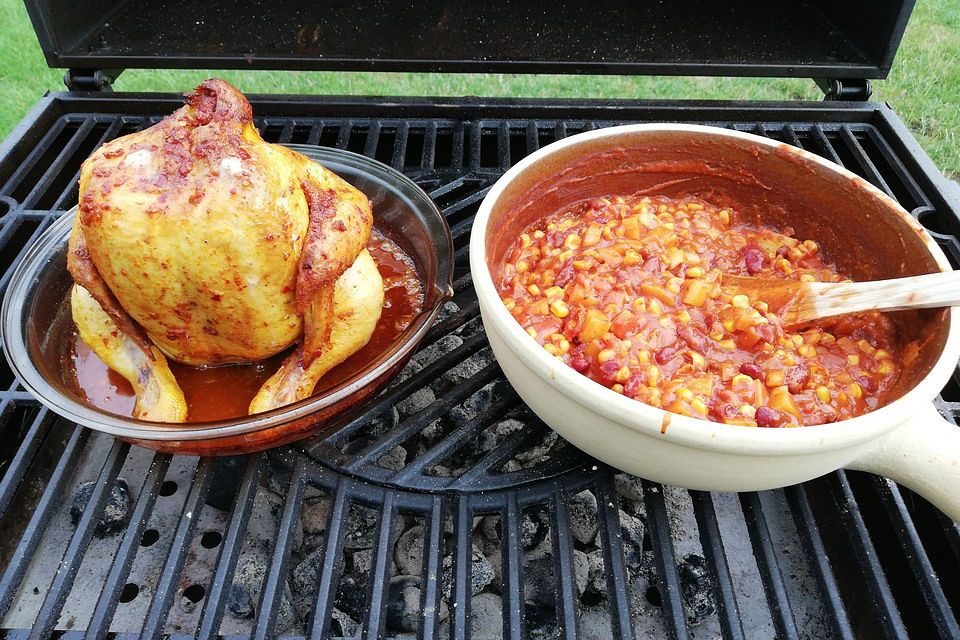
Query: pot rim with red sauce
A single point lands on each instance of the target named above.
(861, 229)
(35, 321)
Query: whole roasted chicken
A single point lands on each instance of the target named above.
(195, 240)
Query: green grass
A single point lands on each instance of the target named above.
(924, 86)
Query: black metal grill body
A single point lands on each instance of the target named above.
(289, 542)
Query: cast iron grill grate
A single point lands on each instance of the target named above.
(447, 508)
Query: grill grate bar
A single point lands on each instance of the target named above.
(462, 565)
(430, 596)
(167, 583)
(920, 565)
(28, 164)
(468, 311)
(904, 176)
(400, 146)
(41, 227)
(613, 559)
(230, 550)
(73, 556)
(866, 555)
(863, 160)
(56, 167)
(332, 566)
(422, 418)
(729, 612)
(499, 454)
(43, 511)
(663, 554)
(123, 559)
(70, 191)
(396, 393)
(817, 555)
(273, 581)
(428, 157)
(773, 584)
(514, 627)
(376, 607)
(566, 596)
(951, 530)
(20, 463)
(823, 144)
(373, 139)
(462, 434)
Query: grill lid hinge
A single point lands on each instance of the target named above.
(91, 79)
(853, 89)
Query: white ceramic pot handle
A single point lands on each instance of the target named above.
(922, 454)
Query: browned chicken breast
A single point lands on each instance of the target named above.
(198, 238)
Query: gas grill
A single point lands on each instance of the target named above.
(446, 508)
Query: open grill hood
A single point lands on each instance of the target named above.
(806, 38)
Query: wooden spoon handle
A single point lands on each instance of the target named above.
(828, 299)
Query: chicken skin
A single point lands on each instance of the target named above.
(204, 244)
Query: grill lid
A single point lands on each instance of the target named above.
(824, 39)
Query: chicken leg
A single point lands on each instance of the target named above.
(159, 397)
(357, 302)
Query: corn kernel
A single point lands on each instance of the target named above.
(653, 375)
(695, 272)
(866, 347)
(565, 255)
(728, 344)
(509, 303)
(655, 307)
(728, 325)
(525, 240)
(807, 278)
(564, 346)
(740, 301)
(534, 290)
(617, 388)
(761, 307)
(572, 241)
(666, 322)
(823, 393)
(581, 265)
(698, 360)
(532, 332)
(684, 317)
(522, 266)
(554, 292)
(673, 285)
(855, 391)
(685, 394)
(741, 379)
(881, 354)
(807, 351)
(853, 359)
(885, 368)
(699, 406)
(643, 356)
(623, 374)
(559, 308)
(552, 350)
(749, 411)
(605, 355)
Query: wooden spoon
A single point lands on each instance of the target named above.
(799, 303)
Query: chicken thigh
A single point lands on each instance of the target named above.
(202, 243)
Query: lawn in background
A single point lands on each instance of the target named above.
(924, 86)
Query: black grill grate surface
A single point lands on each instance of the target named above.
(426, 467)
